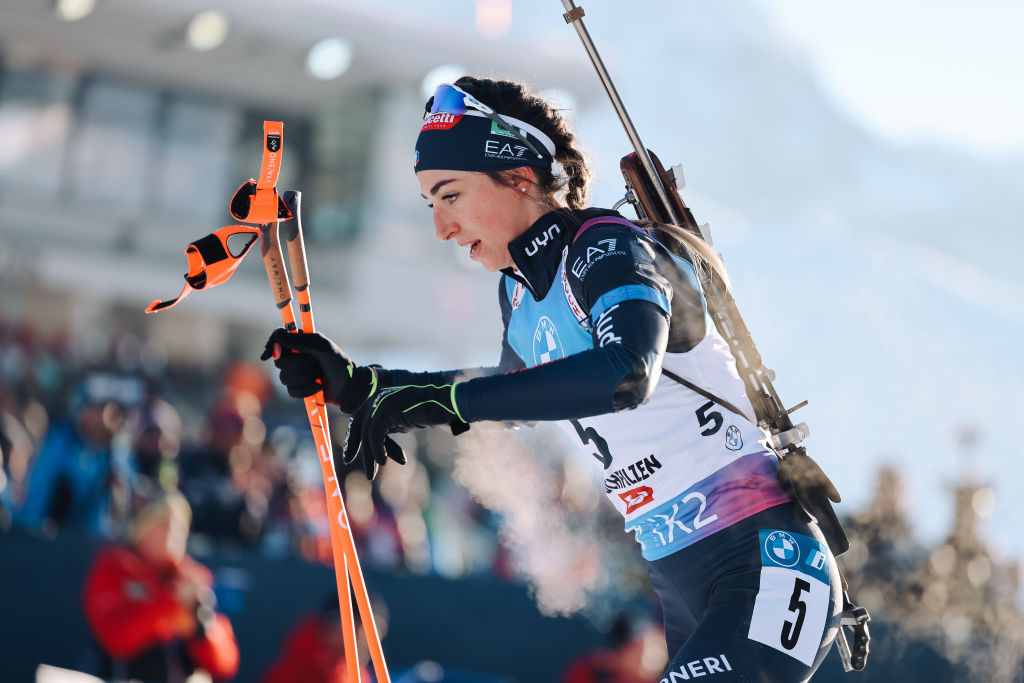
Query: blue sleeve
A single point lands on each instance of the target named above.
(619, 373)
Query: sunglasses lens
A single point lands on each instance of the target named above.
(448, 100)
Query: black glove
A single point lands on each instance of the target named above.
(808, 485)
(392, 410)
(306, 358)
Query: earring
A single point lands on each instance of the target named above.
(522, 189)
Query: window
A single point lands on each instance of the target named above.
(194, 163)
(111, 153)
(35, 117)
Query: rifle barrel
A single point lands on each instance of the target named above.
(620, 109)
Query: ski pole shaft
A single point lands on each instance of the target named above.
(336, 505)
(316, 412)
(574, 15)
(273, 260)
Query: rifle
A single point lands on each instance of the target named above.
(654, 194)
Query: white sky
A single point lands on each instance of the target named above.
(941, 71)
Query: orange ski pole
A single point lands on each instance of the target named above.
(274, 262)
(346, 561)
(315, 406)
(212, 261)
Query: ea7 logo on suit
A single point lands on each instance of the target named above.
(580, 267)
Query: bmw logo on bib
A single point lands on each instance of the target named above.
(782, 548)
(546, 345)
(733, 438)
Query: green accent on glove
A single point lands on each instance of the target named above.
(456, 405)
(373, 382)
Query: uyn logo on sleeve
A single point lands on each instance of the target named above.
(605, 333)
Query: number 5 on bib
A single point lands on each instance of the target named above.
(792, 605)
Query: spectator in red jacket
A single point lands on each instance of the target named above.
(151, 607)
(314, 651)
(635, 654)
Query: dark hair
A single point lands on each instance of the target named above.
(514, 99)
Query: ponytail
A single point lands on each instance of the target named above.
(701, 255)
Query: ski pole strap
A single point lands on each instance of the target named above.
(256, 201)
(270, 165)
(212, 260)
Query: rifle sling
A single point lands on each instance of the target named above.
(704, 392)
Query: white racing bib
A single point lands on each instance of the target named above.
(792, 605)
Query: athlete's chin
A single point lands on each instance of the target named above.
(489, 264)
(497, 263)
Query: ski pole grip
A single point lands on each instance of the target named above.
(272, 259)
(293, 239)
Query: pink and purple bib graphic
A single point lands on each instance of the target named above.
(742, 488)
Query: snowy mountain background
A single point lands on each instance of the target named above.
(880, 279)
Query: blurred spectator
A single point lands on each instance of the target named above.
(222, 509)
(156, 440)
(6, 446)
(314, 651)
(151, 607)
(635, 654)
(72, 480)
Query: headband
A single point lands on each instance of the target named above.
(473, 142)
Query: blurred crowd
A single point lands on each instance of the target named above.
(86, 444)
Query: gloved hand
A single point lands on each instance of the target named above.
(393, 410)
(808, 485)
(305, 358)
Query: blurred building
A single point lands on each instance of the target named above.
(128, 125)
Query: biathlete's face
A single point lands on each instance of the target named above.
(478, 213)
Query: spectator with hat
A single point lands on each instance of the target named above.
(151, 607)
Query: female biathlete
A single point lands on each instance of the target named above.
(594, 309)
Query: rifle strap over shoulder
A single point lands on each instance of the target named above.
(705, 393)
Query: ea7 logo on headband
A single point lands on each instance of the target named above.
(499, 150)
(441, 121)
